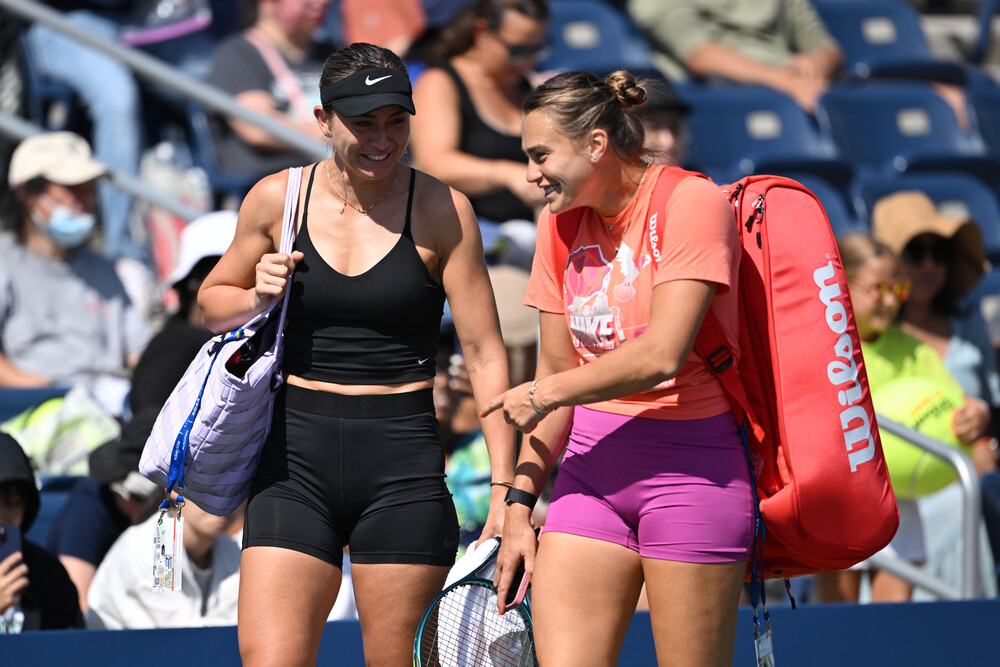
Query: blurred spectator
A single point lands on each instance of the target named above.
(878, 289)
(122, 597)
(169, 353)
(945, 258)
(272, 68)
(662, 118)
(393, 24)
(65, 316)
(111, 94)
(100, 507)
(781, 44)
(467, 131)
(35, 591)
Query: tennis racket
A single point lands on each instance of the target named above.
(462, 628)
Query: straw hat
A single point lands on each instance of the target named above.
(900, 217)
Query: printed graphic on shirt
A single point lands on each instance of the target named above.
(600, 298)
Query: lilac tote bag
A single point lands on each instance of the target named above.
(208, 436)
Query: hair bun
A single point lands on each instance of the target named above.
(626, 89)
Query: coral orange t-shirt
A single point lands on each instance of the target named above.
(605, 293)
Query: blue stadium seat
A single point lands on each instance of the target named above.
(841, 216)
(15, 401)
(955, 194)
(593, 36)
(740, 130)
(884, 39)
(223, 183)
(890, 128)
(54, 492)
(984, 108)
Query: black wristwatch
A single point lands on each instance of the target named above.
(520, 497)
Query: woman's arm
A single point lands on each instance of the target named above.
(251, 272)
(539, 453)
(470, 296)
(435, 139)
(676, 313)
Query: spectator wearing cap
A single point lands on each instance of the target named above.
(171, 350)
(662, 118)
(100, 507)
(35, 591)
(65, 316)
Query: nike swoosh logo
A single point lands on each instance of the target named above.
(370, 81)
(423, 361)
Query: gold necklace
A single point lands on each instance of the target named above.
(631, 203)
(343, 197)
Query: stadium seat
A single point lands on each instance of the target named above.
(956, 194)
(890, 128)
(593, 36)
(884, 39)
(223, 184)
(984, 108)
(15, 401)
(841, 216)
(53, 492)
(740, 130)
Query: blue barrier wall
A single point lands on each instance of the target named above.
(900, 635)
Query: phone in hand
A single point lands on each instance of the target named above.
(10, 541)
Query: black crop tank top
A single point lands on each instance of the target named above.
(380, 327)
(479, 139)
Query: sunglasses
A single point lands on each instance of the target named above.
(940, 250)
(900, 290)
(519, 53)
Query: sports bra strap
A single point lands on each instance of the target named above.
(409, 204)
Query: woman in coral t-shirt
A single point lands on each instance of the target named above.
(654, 486)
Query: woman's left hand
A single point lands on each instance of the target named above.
(517, 408)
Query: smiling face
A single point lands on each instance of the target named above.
(372, 144)
(877, 292)
(556, 163)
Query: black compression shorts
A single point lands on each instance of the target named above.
(360, 471)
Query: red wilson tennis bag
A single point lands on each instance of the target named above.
(821, 478)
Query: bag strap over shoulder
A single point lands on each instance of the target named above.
(288, 229)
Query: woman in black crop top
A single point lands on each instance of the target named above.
(468, 133)
(354, 458)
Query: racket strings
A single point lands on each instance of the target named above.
(465, 630)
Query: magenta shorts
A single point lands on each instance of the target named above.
(674, 490)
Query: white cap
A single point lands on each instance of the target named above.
(206, 236)
(60, 157)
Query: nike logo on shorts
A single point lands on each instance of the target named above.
(369, 80)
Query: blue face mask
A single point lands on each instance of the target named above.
(68, 228)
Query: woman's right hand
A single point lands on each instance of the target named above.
(517, 545)
(13, 580)
(272, 274)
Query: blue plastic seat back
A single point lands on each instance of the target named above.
(984, 103)
(739, 130)
(880, 125)
(593, 36)
(874, 32)
(203, 153)
(956, 194)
